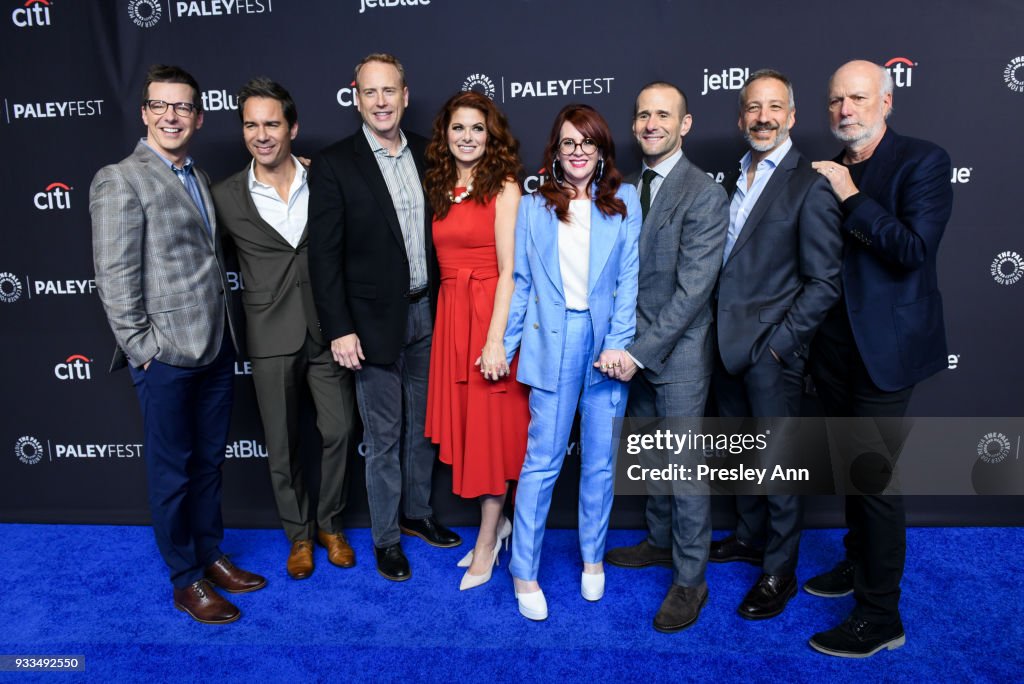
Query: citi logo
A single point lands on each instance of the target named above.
(55, 196)
(731, 78)
(32, 13)
(902, 71)
(10, 288)
(218, 101)
(383, 4)
(532, 183)
(347, 96)
(75, 367)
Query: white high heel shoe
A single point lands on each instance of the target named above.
(533, 605)
(469, 581)
(592, 586)
(503, 534)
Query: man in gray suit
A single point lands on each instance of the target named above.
(160, 276)
(263, 208)
(685, 220)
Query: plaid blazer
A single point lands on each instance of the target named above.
(159, 272)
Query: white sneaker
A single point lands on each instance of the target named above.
(592, 586)
(533, 605)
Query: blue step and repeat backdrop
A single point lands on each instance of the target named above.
(70, 434)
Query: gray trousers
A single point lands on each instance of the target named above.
(279, 384)
(393, 406)
(682, 522)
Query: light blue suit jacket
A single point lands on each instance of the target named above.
(537, 313)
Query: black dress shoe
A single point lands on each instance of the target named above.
(392, 563)
(732, 549)
(430, 531)
(768, 597)
(832, 584)
(639, 556)
(681, 608)
(857, 638)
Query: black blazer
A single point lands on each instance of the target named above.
(357, 260)
(277, 298)
(892, 229)
(782, 275)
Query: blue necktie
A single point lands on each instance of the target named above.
(192, 185)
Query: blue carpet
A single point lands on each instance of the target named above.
(100, 592)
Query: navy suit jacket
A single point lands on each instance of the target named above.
(892, 229)
(782, 276)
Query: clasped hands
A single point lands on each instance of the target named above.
(616, 364)
(492, 362)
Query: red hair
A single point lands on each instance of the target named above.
(499, 163)
(592, 125)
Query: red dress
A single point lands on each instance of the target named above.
(479, 424)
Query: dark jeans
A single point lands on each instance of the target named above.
(392, 402)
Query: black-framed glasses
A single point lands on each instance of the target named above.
(186, 109)
(568, 146)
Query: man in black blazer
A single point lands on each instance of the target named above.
(375, 278)
(779, 279)
(263, 208)
(884, 336)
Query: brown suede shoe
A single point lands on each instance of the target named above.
(300, 560)
(338, 550)
(224, 574)
(204, 604)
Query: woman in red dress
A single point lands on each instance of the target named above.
(476, 411)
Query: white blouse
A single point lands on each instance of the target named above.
(574, 254)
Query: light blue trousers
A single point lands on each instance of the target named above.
(551, 418)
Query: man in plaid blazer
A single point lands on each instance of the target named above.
(160, 276)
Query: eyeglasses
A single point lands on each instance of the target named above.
(186, 109)
(568, 146)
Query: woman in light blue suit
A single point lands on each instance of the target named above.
(573, 312)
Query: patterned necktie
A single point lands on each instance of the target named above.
(645, 192)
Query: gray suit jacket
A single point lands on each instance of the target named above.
(277, 298)
(159, 272)
(681, 244)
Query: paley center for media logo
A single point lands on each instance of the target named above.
(57, 195)
(553, 87)
(994, 447)
(1013, 74)
(1007, 268)
(30, 451)
(148, 13)
(11, 287)
(32, 13)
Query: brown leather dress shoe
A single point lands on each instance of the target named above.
(338, 550)
(300, 559)
(204, 604)
(226, 575)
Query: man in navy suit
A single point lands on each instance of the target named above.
(884, 336)
(779, 279)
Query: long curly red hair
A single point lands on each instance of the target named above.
(592, 125)
(499, 163)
